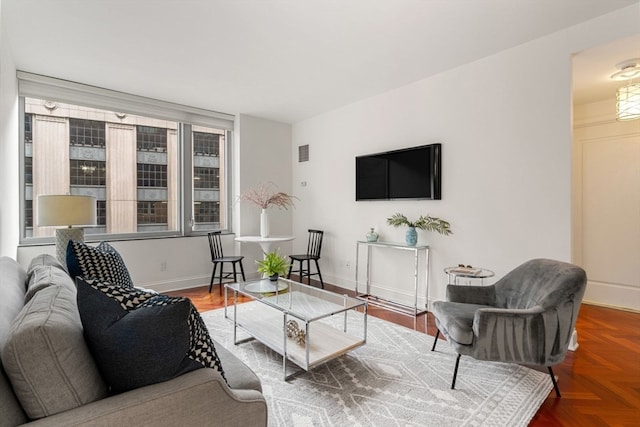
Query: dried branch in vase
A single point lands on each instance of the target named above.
(265, 195)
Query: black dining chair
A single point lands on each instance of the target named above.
(314, 246)
(217, 257)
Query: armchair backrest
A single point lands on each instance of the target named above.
(541, 282)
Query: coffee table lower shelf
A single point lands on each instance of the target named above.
(323, 342)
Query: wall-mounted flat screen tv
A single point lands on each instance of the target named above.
(410, 173)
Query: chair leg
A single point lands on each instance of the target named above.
(213, 275)
(221, 269)
(455, 372)
(290, 268)
(319, 274)
(235, 279)
(242, 271)
(555, 383)
(308, 272)
(435, 340)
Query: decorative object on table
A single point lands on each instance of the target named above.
(427, 223)
(273, 265)
(66, 210)
(294, 332)
(466, 270)
(264, 196)
(372, 236)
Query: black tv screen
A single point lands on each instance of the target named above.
(410, 173)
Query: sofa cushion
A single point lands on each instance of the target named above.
(46, 357)
(44, 276)
(44, 260)
(102, 262)
(140, 338)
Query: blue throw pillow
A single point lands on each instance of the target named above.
(102, 262)
(140, 338)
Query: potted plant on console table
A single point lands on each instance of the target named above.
(425, 222)
(273, 265)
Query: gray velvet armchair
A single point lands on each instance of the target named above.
(527, 317)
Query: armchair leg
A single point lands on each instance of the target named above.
(555, 383)
(455, 372)
(435, 340)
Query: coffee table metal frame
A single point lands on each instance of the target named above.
(265, 319)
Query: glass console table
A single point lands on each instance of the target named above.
(418, 251)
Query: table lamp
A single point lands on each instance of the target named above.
(58, 210)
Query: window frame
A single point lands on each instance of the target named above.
(42, 87)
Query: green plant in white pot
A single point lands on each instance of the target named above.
(273, 265)
(425, 222)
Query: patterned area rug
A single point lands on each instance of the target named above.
(393, 380)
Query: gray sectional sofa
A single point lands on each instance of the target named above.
(48, 376)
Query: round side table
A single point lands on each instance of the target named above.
(467, 273)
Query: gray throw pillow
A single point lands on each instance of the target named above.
(140, 338)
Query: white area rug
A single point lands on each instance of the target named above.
(393, 380)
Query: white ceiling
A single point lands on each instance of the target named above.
(284, 60)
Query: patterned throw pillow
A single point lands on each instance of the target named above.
(140, 338)
(102, 262)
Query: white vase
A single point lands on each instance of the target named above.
(264, 223)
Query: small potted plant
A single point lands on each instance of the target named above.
(425, 222)
(273, 265)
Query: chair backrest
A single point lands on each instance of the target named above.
(314, 246)
(541, 282)
(555, 286)
(215, 244)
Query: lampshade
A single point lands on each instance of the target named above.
(66, 210)
(628, 105)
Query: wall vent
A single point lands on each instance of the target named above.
(303, 153)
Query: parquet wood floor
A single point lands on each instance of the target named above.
(599, 382)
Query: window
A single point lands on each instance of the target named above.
(158, 169)
(207, 212)
(89, 133)
(152, 175)
(152, 213)
(206, 177)
(206, 144)
(87, 172)
(151, 138)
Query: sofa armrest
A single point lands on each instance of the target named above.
(482, 295)
(195, 398)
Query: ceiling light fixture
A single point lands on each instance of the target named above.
(628, 97)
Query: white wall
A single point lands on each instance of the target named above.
(505, 125)
(607, 204)
(262, 155)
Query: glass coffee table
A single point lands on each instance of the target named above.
(305, 325)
